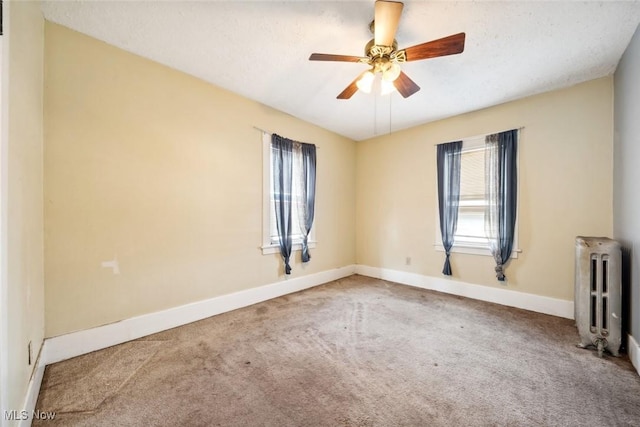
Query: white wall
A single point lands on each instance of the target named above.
(22, 200)
(626, 171)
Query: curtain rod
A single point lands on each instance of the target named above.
(271, 133)
(262, 130)
(481, 135)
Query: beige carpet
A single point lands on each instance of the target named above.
(355, 352)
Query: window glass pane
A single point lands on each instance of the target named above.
(470, 223)
(472, 174)
(470, 229)
(296, 203)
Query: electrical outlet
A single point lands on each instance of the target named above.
(408, 261)
(29, 353)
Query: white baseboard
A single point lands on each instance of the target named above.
(537, 303)
(634, 352)
(33, 389)
(75, 344)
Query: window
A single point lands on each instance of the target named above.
(269, 227)
(470, 234)
(470, 229)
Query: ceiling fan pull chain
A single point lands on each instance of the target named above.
(375, 113)
(390, 100)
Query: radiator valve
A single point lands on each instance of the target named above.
(601, 344)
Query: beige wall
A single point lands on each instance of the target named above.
(565, 189)
(164, 172)
(23, 209)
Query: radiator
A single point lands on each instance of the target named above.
(598, 293)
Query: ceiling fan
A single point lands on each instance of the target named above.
(383, 56)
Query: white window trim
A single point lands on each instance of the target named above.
(467, 248)
(268, 247)
(469, 144)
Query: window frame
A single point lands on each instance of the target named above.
(467, 247)
(268, 245)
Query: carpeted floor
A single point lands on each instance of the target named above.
(355, 352)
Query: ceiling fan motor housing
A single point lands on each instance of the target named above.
(381, 57)
(372, 50)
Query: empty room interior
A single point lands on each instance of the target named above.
(354, 213)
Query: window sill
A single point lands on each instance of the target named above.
(274, 248)
(469, 249)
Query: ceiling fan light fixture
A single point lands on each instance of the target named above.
(386, 87)
(365, 83)
(392, 72)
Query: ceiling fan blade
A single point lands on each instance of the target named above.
(387, 17)
(405, 85)
(339, 58)
(351, 89)
(442, 47)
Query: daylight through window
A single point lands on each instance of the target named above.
(470, 231)
(270, 239)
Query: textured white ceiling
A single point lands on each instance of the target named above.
(260, 50)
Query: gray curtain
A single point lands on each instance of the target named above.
(501, 182)
(448, 162)
(282, 155)
(308, 187)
